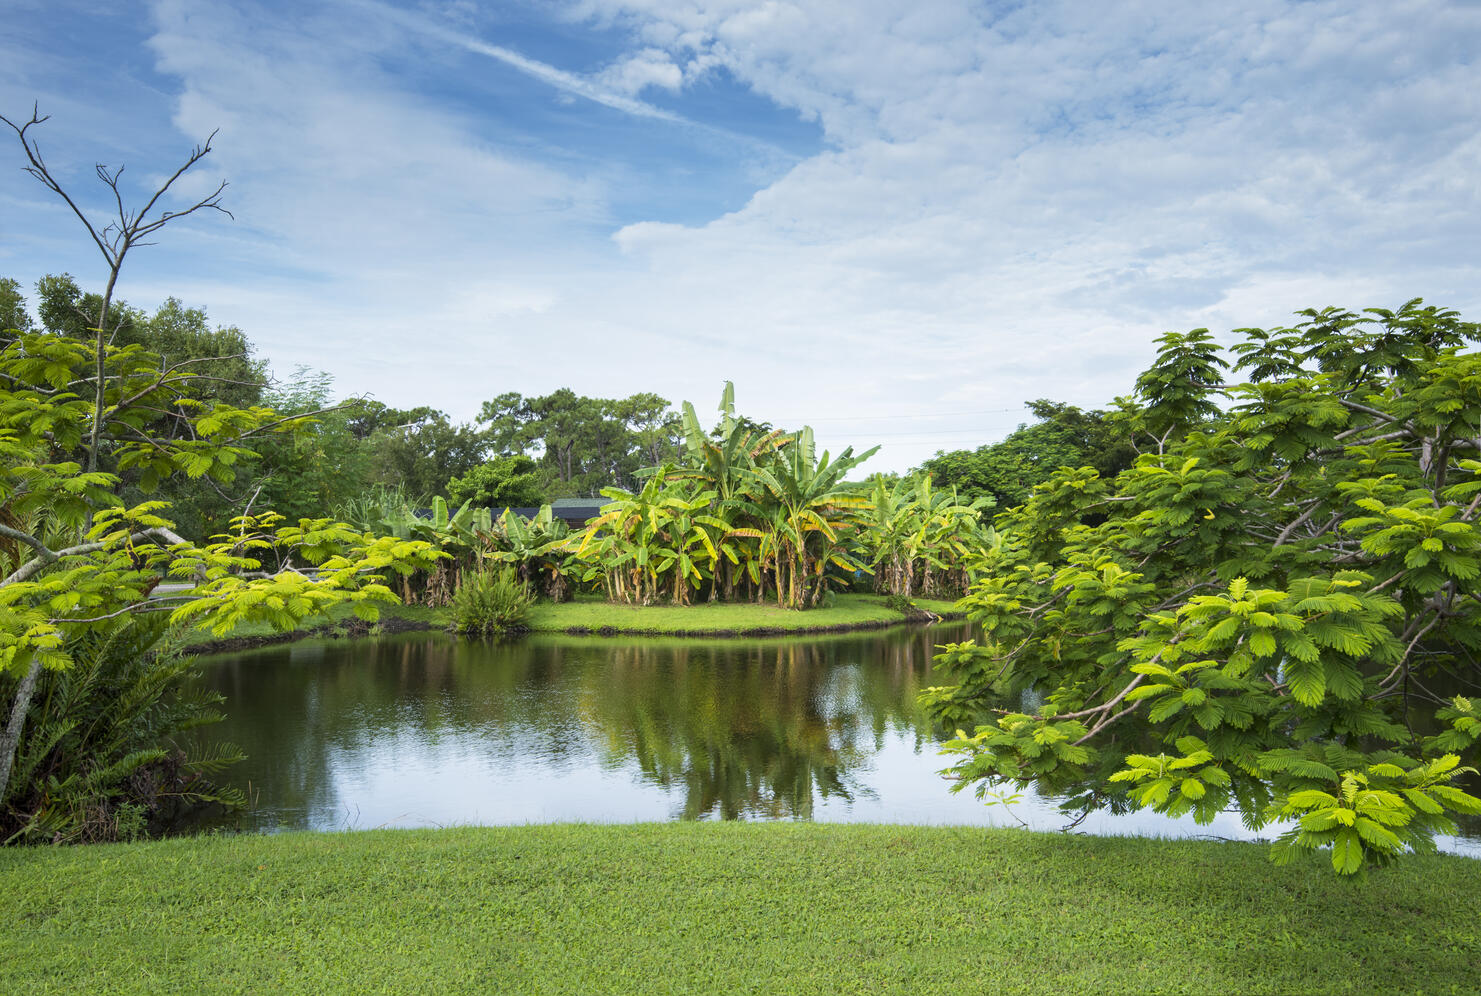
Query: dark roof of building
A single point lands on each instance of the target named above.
(572, 510)
(569, 509)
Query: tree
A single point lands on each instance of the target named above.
(1006, 472)
(1276, 605)
(420, 455)
(80, 559)
(583, 444)
(503, 482)
(114, 240)
(13, 314)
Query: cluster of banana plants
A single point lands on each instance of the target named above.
(658, 544)
(755, 514)
(541, 550)
(922, 540)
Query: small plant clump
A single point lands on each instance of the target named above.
(491, 601)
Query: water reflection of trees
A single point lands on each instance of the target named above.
(755, 729)
(740, 728)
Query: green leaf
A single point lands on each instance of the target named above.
(1347, 852)
(1307, 681)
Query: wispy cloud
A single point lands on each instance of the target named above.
(566, 82)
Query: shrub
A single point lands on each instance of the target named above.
(490, 601)
(104, 756)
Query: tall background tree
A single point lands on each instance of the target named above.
(1007, 471)
(583, 444)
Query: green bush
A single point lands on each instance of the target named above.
(105, 755)
(490, 601)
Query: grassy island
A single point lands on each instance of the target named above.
(850, 611)
(590, 614)
(777, 908)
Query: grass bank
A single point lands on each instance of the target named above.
(849, 611)
(713, 908)
(590, 614)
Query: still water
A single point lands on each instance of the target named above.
(424, 729)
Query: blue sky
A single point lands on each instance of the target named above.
(896, 220)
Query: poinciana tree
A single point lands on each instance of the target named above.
(1276, 606)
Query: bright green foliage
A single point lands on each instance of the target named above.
(458, 536)
(1273, 607)
(77, 560)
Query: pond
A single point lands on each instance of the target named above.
(423, 729)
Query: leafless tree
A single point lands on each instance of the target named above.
(129, 229)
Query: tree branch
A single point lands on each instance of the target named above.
(27, 570)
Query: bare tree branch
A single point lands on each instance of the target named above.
(115, 239)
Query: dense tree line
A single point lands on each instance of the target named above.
(520, 452)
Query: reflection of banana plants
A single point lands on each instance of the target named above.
(744, 737)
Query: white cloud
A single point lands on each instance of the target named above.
(1007, 206)
(1014, 209)
(650, 67)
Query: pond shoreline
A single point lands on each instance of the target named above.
(392, 622)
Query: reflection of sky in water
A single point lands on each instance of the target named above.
(426, 732)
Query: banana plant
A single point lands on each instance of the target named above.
(816, 506)
(539, 548)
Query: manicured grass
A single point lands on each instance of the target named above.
(849, 610)
(723, 908)
(591, 613)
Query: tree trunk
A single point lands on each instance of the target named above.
(101, 370)
(18, 713)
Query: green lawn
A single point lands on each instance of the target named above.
(725, 908)
(850, 610)
(592, 614)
